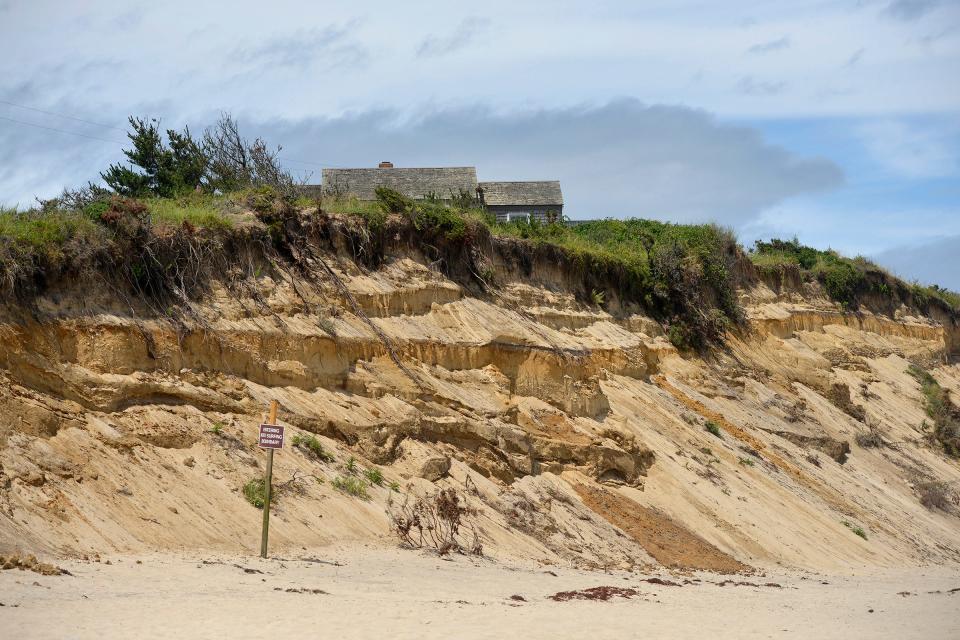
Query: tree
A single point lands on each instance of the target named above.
(163, 170)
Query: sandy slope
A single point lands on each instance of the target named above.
(373, 592)
(579, 435)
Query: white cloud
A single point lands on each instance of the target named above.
(910, 150)
(932, 263)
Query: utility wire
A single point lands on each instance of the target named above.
(61, 115)
(72, 133)
(84, 135)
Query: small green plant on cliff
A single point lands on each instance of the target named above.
(857, 529)
(747, 462)
(713, 428)
(351, 465)
(217, 428)
(351, 485)
(310, 444)
(374, 476)
(255, 491)
(597, 298)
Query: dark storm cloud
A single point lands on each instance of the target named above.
(773, 45)
(620, 159)
(465, 34)
(333, 46)
(933, 263)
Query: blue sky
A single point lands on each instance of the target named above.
(837, 122)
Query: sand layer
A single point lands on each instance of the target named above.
(371, 592)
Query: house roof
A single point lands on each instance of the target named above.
(411, 182)
(545, 192)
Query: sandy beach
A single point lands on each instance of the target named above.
(365, 592)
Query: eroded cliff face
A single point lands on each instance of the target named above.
(579, 435)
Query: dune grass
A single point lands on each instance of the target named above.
(201, 211)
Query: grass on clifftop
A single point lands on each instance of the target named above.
(683, 275)
(680, 273)
(845, 279)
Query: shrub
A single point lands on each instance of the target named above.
(937, 495)
(713, 428)
(353, 486)
(255, 491)
(374, 476)
(310, 444)
(392, 201)
(871, 438)
(436, 521)
(857, 529)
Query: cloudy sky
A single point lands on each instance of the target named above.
(837, 122)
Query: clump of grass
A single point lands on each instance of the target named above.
(374, 476)
(940, 408)
(747, 462)
(713, 428)
(310, 444)
(937, 495)
(200, 211)
(217, 428)
(857, 529)
(872, 438)
(355, 487)
(351, 465)
(395, 486)
(255, 491)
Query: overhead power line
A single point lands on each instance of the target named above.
(71, 133)
(84, 135)
(61, 115)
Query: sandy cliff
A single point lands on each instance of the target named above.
(579, 434)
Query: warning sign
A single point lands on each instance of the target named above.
(271, 436)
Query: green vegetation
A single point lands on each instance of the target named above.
(351, 465)
(747, 462)
(355, 487)
(199, 211)
(255, 491)
(374, 476)
(940, 408)
(310, 444)
(857, 529)
(846, 280)
(395, 486)
(217, 428)
(713, 428)
(166, 224)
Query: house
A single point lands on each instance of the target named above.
(509, 201)
(533, 200)
(415, 183)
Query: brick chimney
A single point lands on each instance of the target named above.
(385, 165)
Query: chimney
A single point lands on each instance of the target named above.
(385, 165)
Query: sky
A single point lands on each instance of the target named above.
(835, 122)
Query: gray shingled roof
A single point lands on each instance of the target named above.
(411, 182)
(546, 192)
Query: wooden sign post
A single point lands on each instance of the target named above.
(271, 437)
